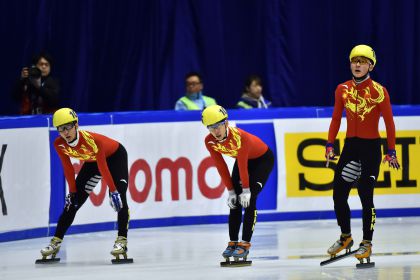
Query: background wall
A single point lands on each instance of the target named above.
(132, 55)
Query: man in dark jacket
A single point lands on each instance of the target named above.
(36, 91)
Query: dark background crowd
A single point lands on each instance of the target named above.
(133, 55)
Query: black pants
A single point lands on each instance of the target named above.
(259, 169)
(87, 179)
(358, 165)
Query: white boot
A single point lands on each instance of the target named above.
(52, 248)
(120, 246)
(345, 242)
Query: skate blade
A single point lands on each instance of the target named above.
(47, 261)
(236, 263)
(224, 264)
(122, 261)
(337, 258)
(365, 265)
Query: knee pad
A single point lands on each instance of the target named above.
(351, 171)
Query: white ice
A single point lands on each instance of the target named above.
(280, 250)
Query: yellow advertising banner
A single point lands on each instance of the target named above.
(307, 175)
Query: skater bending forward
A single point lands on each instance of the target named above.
(102, 157)
(364, 101)
(253, 164)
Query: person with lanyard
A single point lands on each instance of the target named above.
(252, 96)
(194, 98)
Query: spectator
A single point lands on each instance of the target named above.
(194, 98)
(252, 96)
(36, 91)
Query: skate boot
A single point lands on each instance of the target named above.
(227, 253)
(345, 242)
(241, 252)
(51, 250)
(120, 248)
(364, 252)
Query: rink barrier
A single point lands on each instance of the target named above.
(255, 121)
(200, 220)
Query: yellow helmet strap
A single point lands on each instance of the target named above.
(361, 79)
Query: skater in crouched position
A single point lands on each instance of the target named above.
(252, 167)
(364, 100)
(102, 157)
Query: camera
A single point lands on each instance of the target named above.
(34, 72)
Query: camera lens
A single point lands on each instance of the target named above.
(34, 72)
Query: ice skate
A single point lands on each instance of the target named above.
(51, 250)
(120, 248)
(345, 242)
(227, 253)
(363, 253)
(240, 254)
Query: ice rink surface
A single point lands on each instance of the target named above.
(280, 250)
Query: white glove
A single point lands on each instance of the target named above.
(115, 201)
(245, 197)
(231, 201)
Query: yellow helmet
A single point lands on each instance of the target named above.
(213, 114)
(365, 51)
(64, 116)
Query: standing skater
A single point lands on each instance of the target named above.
(102, 157)
(253, 164)
(364, 101)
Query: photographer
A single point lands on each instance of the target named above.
(36, 91)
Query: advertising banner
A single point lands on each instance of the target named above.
(24, 178)
(171, 173)
(305, 183)
(172, 178)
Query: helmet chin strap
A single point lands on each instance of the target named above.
(226, 136)
(75, 141)
(361, 79)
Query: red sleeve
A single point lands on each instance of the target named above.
(336, 116)
(67, 167)
(103, 166)
(386, 111)
(221, 167)
(242, 158)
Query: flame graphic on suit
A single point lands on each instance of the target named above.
(360, 104)
(83, 152)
